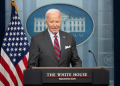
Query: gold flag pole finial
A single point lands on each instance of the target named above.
(13, 4)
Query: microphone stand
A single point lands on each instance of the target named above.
(93, 56)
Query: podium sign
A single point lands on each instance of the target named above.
(66, 76)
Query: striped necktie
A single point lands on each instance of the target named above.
(57, 48)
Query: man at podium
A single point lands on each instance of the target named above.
(53, 47)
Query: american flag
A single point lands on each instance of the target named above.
(14, 52)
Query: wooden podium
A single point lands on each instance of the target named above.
(66, 76)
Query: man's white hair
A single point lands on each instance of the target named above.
(52, 11)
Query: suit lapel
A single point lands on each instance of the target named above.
(63, 42)
(48, 41)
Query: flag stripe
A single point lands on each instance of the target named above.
(2, 80)
(7, 68)
(25, 62)
(6, 58)
(21, 66)
(6, 76)
(1, 84)
(20, 74)
(27, 56)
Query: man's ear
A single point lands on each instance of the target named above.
(61, 21)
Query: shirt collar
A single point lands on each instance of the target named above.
(52, 35)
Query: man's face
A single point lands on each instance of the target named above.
(53, 22)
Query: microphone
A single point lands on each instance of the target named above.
(38, 58)
(93, 56)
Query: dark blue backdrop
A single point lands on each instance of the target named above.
(116, 5)
(2, 21)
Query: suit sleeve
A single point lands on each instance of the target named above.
(33, 53)
(76, 62)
